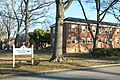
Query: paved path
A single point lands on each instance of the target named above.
(106, 73)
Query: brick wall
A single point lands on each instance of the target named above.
(77, 38)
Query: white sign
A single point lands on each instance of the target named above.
(22, 51)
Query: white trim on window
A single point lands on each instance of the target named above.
(73, 28)
(117, 31)
(117, 41)
(110, 30)
(106, 30)
(73, 50)
(110, 41)
(106, 41)
(73, 40)
(83, 40)
(83, 28)
(93, 29)
(88, 40)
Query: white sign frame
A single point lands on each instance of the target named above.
(22, 51)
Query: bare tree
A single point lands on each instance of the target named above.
(2, 29)
(61, 7)
(18, 17)
(8, 22)
(35, 8)
(100, 16)
(27, 13)
(3, 32)
(114, 10)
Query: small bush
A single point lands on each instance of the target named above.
(102, 52)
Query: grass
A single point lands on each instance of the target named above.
(72, 62)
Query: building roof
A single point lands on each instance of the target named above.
(79, 20)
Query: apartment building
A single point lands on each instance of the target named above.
(77, 38)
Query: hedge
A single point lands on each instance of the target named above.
(98, 52)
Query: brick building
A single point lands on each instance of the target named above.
(77, 38)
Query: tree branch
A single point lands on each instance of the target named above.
(42, 5)
(111, 4)
(86, 18)
(106, 10)
(67, 4)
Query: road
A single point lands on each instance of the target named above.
(106, 73)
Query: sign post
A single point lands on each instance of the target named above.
(22, 51)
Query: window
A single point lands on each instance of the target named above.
(106, 30)
(117, 31)
(93, 29)
(73, 28)
(83, 40)
(88, 40)
(73, 40)
(106, 41)
(73, 50)
(110, 41)
(110, 30)
(83, 28)
(118, 42)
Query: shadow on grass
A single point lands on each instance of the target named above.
(5, 51)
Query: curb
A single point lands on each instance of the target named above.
(99, 66)
(82, 68)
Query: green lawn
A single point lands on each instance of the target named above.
(72, 62)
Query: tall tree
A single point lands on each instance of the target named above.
(61, 7)
(19, 17)
(31, 9)
(26, 2)
(27, 13)
(3, 32)
(7, 21)
(100, 16)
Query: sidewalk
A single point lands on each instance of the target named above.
(93, 60)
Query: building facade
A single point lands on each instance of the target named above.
(77, 38)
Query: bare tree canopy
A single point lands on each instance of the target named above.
(8, 22)
(101, 13)
(26, 14)
(114, 10)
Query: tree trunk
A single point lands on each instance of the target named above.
(95, 40)
(16, 39)
(8, 45)
(26, 22)
(61, 6)
(57, 54)
(1, 44)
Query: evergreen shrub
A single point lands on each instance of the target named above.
(103, 52)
